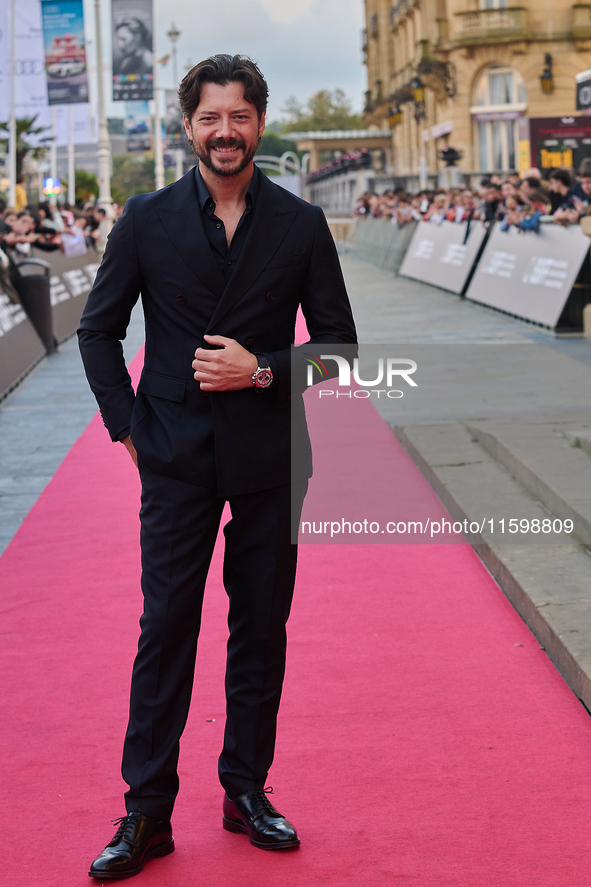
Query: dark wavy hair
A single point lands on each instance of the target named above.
(223, 69)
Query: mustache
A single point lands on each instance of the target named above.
(225, 143)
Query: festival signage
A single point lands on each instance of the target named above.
(69, 284)
(559, 141)
(443, 255)
(133, 59)
(583, 90)
(65, 51)
(20, 346)
(529, 274)
(29, 82)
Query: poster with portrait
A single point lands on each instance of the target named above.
(133, 57)
(65, 52)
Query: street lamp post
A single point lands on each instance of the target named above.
(159, 178)
(104, 145)
(173, 35)
(12, 121)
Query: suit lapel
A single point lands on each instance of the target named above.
(269, 225)
(182, 220)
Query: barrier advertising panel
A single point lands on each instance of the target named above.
(20, 346)
(530, 274)
(381, 243)
(438, 255)
(71, 280)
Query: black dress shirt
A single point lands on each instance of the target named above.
(226, 256)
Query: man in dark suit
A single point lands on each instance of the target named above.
(223, 259)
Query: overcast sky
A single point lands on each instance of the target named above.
(301, 46)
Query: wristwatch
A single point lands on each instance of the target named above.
(263, 375)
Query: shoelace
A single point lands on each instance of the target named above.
(125, 828)
(261, 796)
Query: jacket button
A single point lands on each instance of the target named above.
(250, 341)
(270, 297)
(180, 300)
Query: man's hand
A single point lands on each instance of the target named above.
(228, 368)
(126, 441)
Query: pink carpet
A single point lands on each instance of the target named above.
(425, 739)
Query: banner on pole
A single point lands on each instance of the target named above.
(65, 52)
(133, 57)
(29, 82)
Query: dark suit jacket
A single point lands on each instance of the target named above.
(233, 441)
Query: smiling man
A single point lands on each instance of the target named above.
(223, 259)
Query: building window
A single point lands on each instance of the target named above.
(500, 98)
(373, 25)
(492, 4)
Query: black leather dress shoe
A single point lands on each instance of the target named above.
(136, 840)
(254, 814)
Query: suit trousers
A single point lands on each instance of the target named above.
(179, 525)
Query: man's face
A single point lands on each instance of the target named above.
(586, 185)
(225, 129)
(558, 187)
(24, 225)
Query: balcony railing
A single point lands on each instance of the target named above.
(581, 21)
(490, 25)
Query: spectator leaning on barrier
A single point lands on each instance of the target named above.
(528, 186)
(560, 181)
(492, 199)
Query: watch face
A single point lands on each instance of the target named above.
(263, 378)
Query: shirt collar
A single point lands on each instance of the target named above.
(205, 197)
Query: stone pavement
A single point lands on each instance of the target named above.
(500, 426)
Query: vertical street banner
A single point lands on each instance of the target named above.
(133, 57)
(65, 51)
(30, 85)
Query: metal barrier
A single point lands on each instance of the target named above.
(443, 255)
(52, 294)
(379, 242)
(70, 282)
(20, 346)
(538, 276)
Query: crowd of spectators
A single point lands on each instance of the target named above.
(74, 230)
(513, 201)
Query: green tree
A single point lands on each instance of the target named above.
(86, 185)
(25, 128)
(325, 110)
(131, 176)
(274, 145)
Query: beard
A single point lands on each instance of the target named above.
(203, 154)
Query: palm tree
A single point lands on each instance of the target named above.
(25, 127)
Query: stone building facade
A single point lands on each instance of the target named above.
(494, 81)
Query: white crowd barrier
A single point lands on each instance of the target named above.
(541, 276)
(442, 255)
(532, 274)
